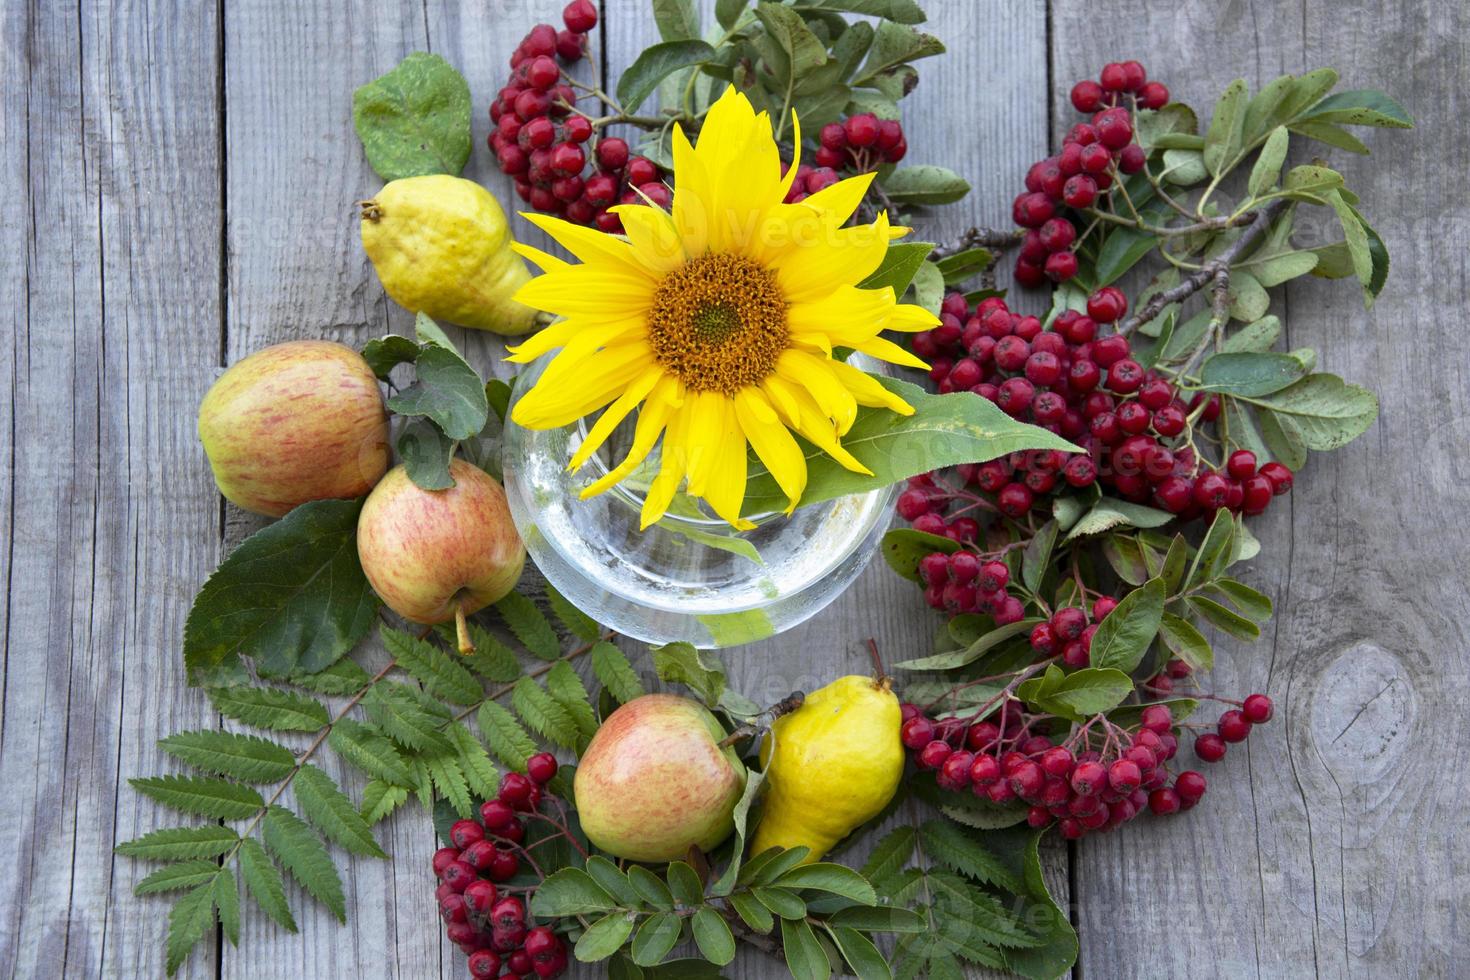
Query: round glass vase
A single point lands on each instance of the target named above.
(690, 577)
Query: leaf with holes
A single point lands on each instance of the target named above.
(415, 119)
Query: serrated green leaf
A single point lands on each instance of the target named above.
(543, 714)
(408, 716)
(615, 672)
(578, 623)
(244, 757)
(655, 937)
(205, 796)
(268, 707)
(447, 391)
(345, 677)
(441, 675)
(415, 119)
(880, 918)
(890, 854)
(529, 625)
(179, 843)
(952, 847)
(492, 659)
(227, 900)
(190, 919)
(451, 784)
(369, 751)
(505, 736)
(302, 854)
(331, 812)
(1186, 642)
(292, 596)
(1123, 637)
(264, 883)
(604, 937)
(566, 688)
(479, 772)
(804, 955)
(177, 877)
(379, 799)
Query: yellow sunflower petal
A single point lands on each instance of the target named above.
(706, 428)
(838, 202)
(564, 332)
(867, 390)
(693, 197)
(587, 290)
(846, 314)
(887, 350)
(725, 491)
(842, 256)
(615, 413)
(790, 176)
(653, 236)
(547, 261)
(657, 412)
(552, 403)
(772, 443)
(672, 468)
(588, 244)
(819, 430)
(908, 318)
(814, 375)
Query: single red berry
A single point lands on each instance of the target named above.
(1211, 491)
(1133, 75)
(568, 158)
(480, 895)
(1233, 726)
(497, 815)
(1133, 418)
(540, 40)
(1279, 476)
(861, 129)
(1114, 128)
(443, 858)
(515, 789)
(642, 170)
(1255, 494)
(484, 964)
(1080, 471)
(541, 767)
(570, 46)
(1026, 779)
(1057, 761)
(1080, 191)
(984, 771)
(1088, 778)
(954, 775)
(1241, 464)
(531, 103)
(518, 963)
(1015, 500)
(1190, 785)
(1107, 305)
(1069, 622)
(1114, 77)
(1087, 96)
(458, 875)
(1060, 266)
(1102, 606)
(1156, 718)
(541, 943)
(1257, 709)
(1163, 801)
(580, 16)
(1125, 377)
(1124, 776)
(1210, 747)
(1153, 95)
(1043, 639)
(1057, 234)
(933, 755)
(463, 833)
(1032, 210)
(612, 153)
(1169, 421)
(1029, 275)
(1095, 158)
(505, 865)
(542, 73)
(917, 732)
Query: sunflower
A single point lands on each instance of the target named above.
(717, 320)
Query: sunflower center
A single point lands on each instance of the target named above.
(718, 323)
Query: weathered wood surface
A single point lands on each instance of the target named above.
(182, 179)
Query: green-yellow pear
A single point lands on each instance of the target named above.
(654, 780)
(437, 555)
(295, 422)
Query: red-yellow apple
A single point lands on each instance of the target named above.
(437, 555)
(654, 780)
(295, 422)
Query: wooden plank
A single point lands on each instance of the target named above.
(998, 71)
(112, 166)
(1327, 845)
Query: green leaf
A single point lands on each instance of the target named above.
(1186, 642)
(890, 854)
(951, 846)
(505, 736)
(960, 658)
(1121, 251)
(613, 881)
(928, 287)
(803, 49)
(894, 45)
(925, 184)
(387, 352)
(302, 854)
(616, 674)
(425, 452)
(479, 772)
(752, 913)
(264, 883)
(1223, 140)
(1252, 604)
(344, 678)
(712, 936)
(1216, 544)
(772, 863)
(441, 675)
(1056, 952)
(449, 780)
(1184, 167)
(205, 796)
(269, 707)
(677, 20)
(177, 877)
(246, 757)
(1108, 513)
(1037, 556)
(1223, 619)
(727, 12)
(492, 659)
(723, 885)
(1322, 412)
(828, 877)
(379, 799)
(804, 955)
(415, 119)
(1361, 107)
(648, 885)
(369, 751)
(1332, 135)
(179, 843)
(1267, 169)
(429, 332)
(1125, 556)
(1257, 336)
(656, 63)
(1248, 298)
(604, 937)
(899, 266)
(903, 548)
(227, 900)
(961, 266)
(944, 430)
(881, 918)
(188, 922)
(411, 718)
(658, 934)
(786, 904)
(543, 714)
(447, 391)
(684, 884)
(866, 962)
(566, 688)
(699, 670)
(578, 623)
(1250, 372)
(332, 813)
(1123, 637)
(292, 596)
(529, 625)
(1079, 694)
(570, 891)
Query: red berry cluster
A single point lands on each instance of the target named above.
(491, 927)
(1133, 423)
(1098, 778)
(539, 137)
(1234, 726)
(1093, 155)
(861, 143)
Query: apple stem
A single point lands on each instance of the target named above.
(462, 631)
(880, 676)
